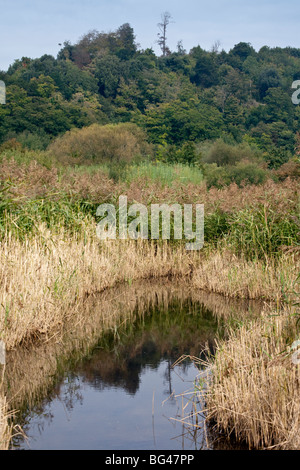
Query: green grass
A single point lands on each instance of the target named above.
(22, 219)
(165, 173)
(28, 156)
(261, 231)
(159, 172)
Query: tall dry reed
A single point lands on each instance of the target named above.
(254, 394)
(221, 271)
(5, 427)
(44, 278)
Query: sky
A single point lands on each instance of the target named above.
(32, 28)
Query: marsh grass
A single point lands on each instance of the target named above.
(43, 278)
(165, 173)
(51, 261)
(256, 222)
(222, 271)
(260, 232)
(50, 256)
(254, 390)
(5, 428)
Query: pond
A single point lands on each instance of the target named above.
(130, 388)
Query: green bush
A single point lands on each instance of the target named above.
(246, 173)
(33, 141)
(98, 144)
(224, 154)
(215, 176)
(186, 154)
(242, 174)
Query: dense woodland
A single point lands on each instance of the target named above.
(181, 100)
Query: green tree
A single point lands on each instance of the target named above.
(108, 72)
(177, 122)
(279, 106)
(268, 79)
(126, 42)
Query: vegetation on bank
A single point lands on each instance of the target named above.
(256, 221)
(51, 259)
(254, 389)
(47, 215)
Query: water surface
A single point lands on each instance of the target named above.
(123, 393)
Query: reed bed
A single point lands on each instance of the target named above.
(254, 394)
(44, 278)
(5, 428)
(51, 261)
(222, 271)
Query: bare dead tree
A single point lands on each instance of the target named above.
(216, 46)
(162, 35)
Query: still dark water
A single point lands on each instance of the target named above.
(94, 415)
(125, 394)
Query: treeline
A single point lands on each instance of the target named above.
(181, 100)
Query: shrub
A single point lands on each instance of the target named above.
(98, 144)
(224, 154)
(215, 176)
(242, 173)
(11, 144)
(291, 169)
(33, 141)
(247, 173)
(185, 154)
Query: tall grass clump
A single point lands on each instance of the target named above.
(263, 231)
(5, 427)
(23, 220)
(254, 393)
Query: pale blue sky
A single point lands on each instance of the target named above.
(35, 27)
